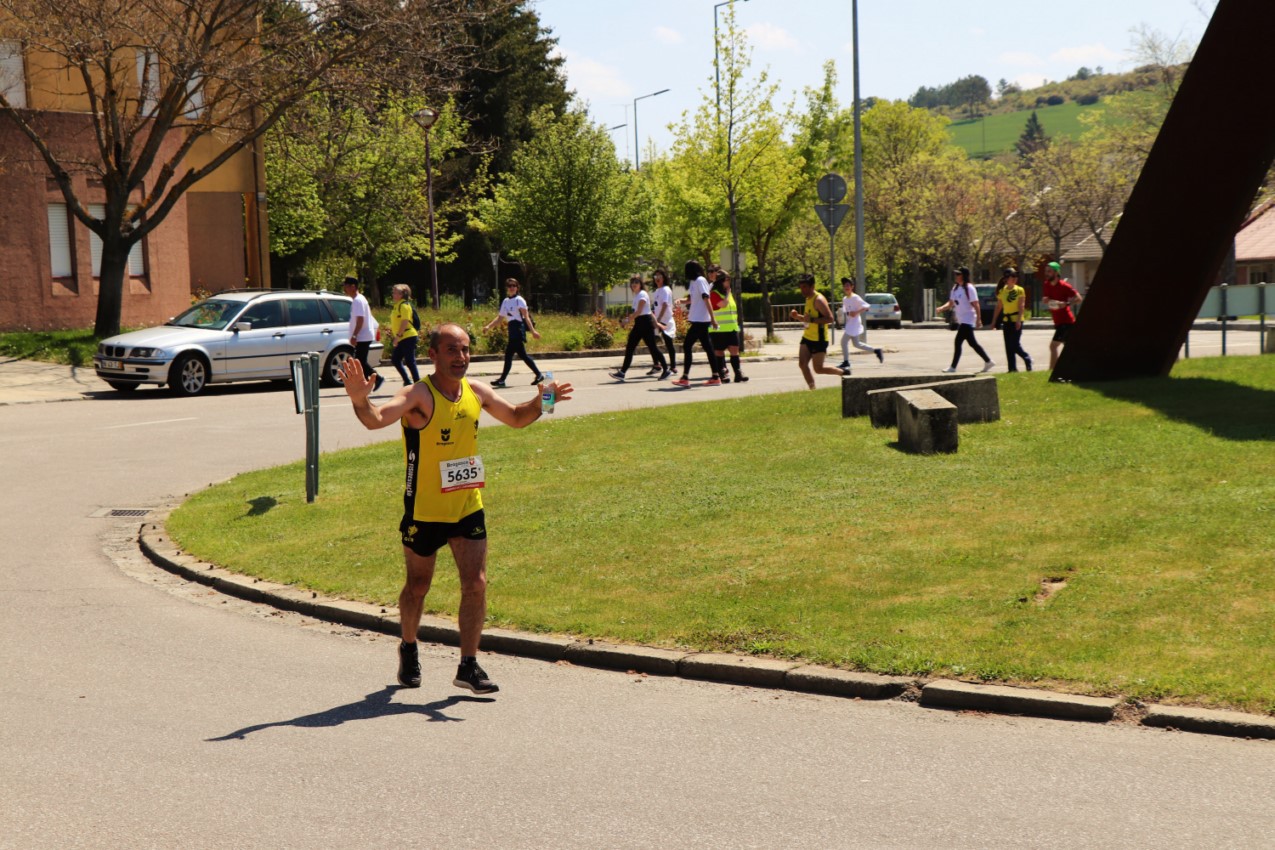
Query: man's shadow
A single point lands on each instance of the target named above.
(375, 704)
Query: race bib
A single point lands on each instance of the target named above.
(463, 473)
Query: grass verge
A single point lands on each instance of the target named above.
(770, 525)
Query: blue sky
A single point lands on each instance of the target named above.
(617, 50)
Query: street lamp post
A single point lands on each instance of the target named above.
(717, 68)
(426, 118)
(860, 286)
(637, 164)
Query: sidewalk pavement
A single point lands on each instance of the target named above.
(727, 668)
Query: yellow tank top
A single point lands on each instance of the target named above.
(452, 433)
(814, 332)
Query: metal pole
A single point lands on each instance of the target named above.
(861, 285)
(429, 191)
(1222, 288)
(637, 165)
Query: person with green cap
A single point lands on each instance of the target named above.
(1060, 296)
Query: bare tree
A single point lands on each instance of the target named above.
(159, 76)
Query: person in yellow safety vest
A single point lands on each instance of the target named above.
(728, 333)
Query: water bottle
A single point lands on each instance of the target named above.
(547, 396)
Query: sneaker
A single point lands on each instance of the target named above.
(409, 666)
(681, 382)
(713, 382)
(845, 373)
(988, 366)
(472, 677)
(725, 379)
(618, 375)
(664, 375)
(654, 370)
(949, 370)
(740, 379)
(844, 364)
(1029, 363)
(379, 381)
(880, 355)
(539, 379)
(499, 384)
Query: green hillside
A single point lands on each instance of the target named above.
(994, 134)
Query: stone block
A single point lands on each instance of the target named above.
(927, 422)
(855, 389)
(976, 399)
(1004, 700)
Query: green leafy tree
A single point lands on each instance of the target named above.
(567, 204)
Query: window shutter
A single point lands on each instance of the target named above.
(12, 74)
(136, 267)
(59, 241)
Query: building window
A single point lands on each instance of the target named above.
(59, 241)
(13, 83)
(194, 97)
(135, 268)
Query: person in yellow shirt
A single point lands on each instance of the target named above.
(404, 335)
(816, 317)
(441, 500)
(1011, 301)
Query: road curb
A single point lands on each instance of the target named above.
(727, 668)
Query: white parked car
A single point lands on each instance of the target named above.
(883, 311)
(236, 335)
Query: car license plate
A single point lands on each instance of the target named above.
(113, 364)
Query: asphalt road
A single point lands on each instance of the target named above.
(142, 712)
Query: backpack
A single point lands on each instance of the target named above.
(416, 317)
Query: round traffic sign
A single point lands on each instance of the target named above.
(832, 188)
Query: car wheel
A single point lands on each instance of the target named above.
(189, 375)
(897, 325)
(122, 386)
(332, 369)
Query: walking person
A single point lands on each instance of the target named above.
(642, 330)
(1060, 296)
(513, 312)
(700, 319)
(853, 307)
(665, 322)
(813, 348)
(963, 300)
(404, 335)
(362, 328)
(726, 338)
(442, 504)
(1008, 316)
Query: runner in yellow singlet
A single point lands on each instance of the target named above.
(441, 501)
(814, 338)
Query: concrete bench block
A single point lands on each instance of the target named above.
(854, 389)
(976, 399)
(927, 422)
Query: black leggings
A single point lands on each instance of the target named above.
(517, 345)
(672, 349)
(965, 333)
(698, 332)
(1014, 346)
(404, 360)
(643, 330)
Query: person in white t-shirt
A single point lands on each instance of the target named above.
(642, 330)
(699, 314)
(514, 312)
(362, 328)
(964, 301)
(662, 310)
(853, 307)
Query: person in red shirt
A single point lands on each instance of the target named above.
(1060, 296)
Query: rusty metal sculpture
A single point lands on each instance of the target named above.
(1204, 169)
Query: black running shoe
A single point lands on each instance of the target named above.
(499, 383)
(472, 677)
(844, 364)
(654, 370)
(409, 666)
(880, 355)
(740, 379)
(379, 381)
(539, 379)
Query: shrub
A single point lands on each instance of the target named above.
(599, 331)
(572, 341)
(495, 340)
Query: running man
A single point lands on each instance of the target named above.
(853, 307)
(1060, 296)
(441, 499)
(814, 339)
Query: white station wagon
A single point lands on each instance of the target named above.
(236, 335)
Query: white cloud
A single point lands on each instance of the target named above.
(668, 35)
(977, 32)
(1088, 54)
(771, 37)
(1030, 81)
(1021, 59)
(594, 80)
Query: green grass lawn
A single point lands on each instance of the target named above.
(1003, 130)
(770, 525)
